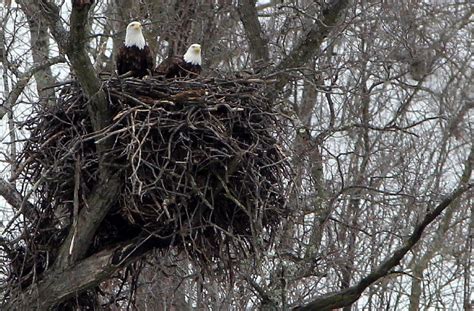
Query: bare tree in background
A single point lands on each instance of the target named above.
(377, 99)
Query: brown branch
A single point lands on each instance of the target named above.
(266, 300)
(84, 70)
(253, 30)
(15, 199)
(89, 219)
(348, 296)
(73, 44)
(23, 82)
(58, 286)
(40, 51)
(311, 41)
(107, 188)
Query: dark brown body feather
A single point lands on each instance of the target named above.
(139, 62)
(176, 66)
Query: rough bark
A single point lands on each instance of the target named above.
(39, 40)
(15, 199)
(58, 286)
(253, 30)
(181, 15)
(72, 43)
(310, 42)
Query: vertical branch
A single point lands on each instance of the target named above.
(253, 30)
(310, 41)
(12, 136)
(468, 304)
(83, 68)
(180, 24)
(119, 12)
(362, 147)
(75, 214)
(104, 194)
(349, 295)
(39, 40)
(8, 105)
(421, 263)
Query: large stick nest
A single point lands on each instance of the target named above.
(199, 160)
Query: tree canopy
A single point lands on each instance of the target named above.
(367, 177)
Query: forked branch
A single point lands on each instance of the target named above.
(348, 296)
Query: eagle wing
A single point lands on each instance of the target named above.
(121, 61)
(149, 59)
(170, 66)
(139, 61)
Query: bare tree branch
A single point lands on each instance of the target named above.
(358, 185)
(73, 44)
(439, 239)
(14, 198)
(253, 30)
(39, 39)
(58, 286)
(348, 296)
(311, 41)
(23, 82)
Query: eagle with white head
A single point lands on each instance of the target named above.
(188, 65)
(134, 55)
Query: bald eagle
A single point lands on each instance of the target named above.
(134, 55)
(188, 65)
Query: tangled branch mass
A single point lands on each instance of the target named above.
(202, 170)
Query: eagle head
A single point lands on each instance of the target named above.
(134, 35)
(193, 54)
